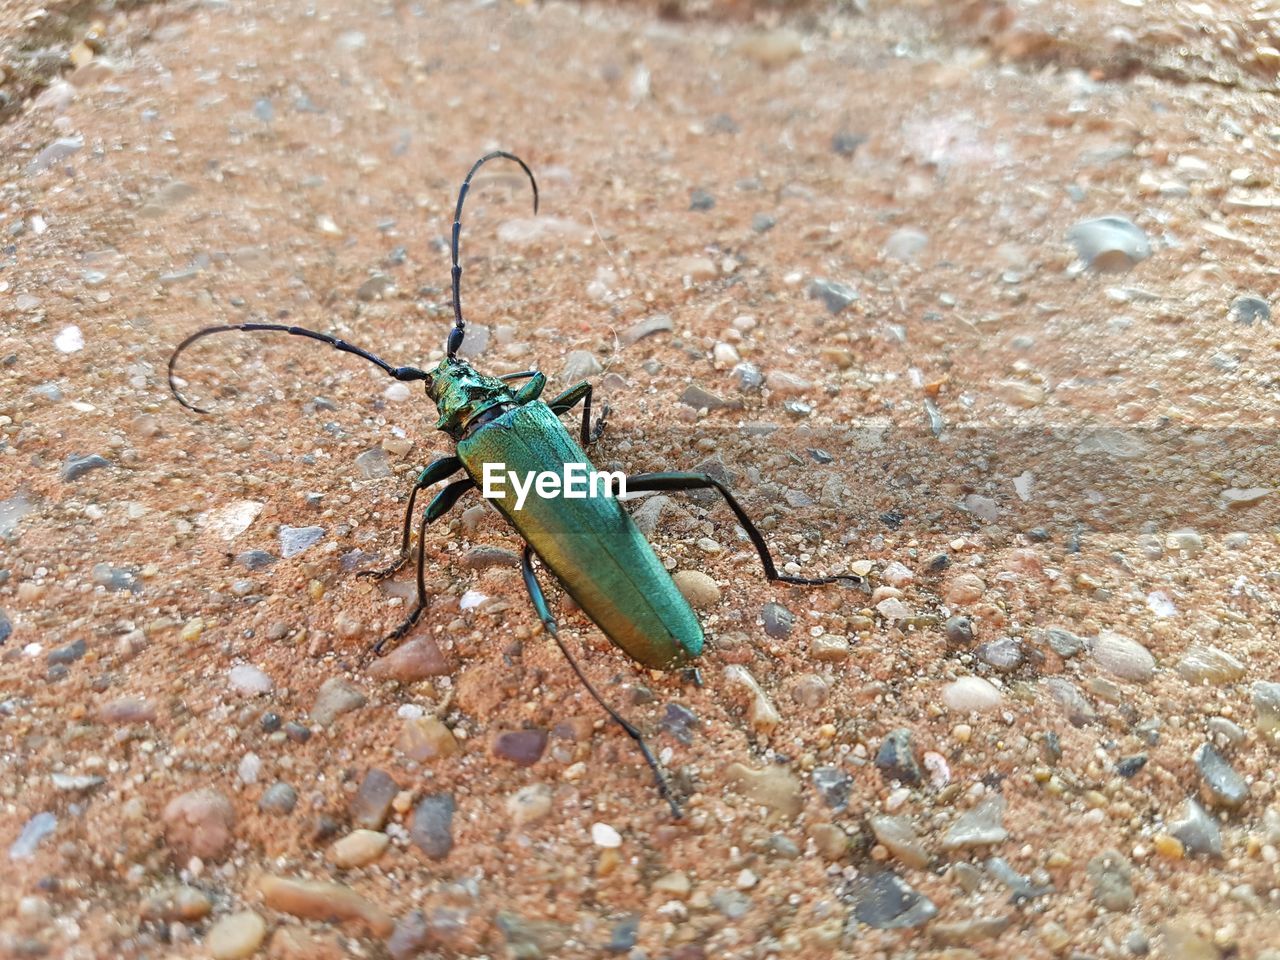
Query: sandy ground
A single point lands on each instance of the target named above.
(1007, 438)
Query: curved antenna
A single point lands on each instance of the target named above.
(459, 325)
(399, 373)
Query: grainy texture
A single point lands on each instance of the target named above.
(829, 256)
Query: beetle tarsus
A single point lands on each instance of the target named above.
(381, 573)
(399, 631)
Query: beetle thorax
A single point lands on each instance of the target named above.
(461, 394)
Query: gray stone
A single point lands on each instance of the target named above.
(1063, 642)
(1198, 830)
(278, 798)
(658, 323)
(293, 540)
(1248, 308)
(982, 826)
(432, 827)
(834, 296)
(887, 902)
(896, 758)
(336, 697)
(1225, 785)
(834, 786)
(75, 467)
(578, 366)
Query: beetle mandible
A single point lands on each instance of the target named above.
(591, 545)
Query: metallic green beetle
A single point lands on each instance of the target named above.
(591, 545)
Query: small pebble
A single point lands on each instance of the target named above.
(425, 738)
(249, 681)
(293, 540)
(319, 900)
(603, 835)
(971, 695)
(236, 936)
(834, 296)
(371, 804)
(699, 589)
(772, 787)
(75, 467)
(1203, 663)
(336, 697)
(885, 901)
(521, 747)
(1197, 830)
(898, 836)
(358, 849)
(199, 823)
(979, 827)
(1110, 244)
(529, 804)
(1123, 657)
(896, 758)
(778, 620)
(431, 829)
(1225, 786)
(33, 831)
(278, 798)
(1111, 875)
(413, 661)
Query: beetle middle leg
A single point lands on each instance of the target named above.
(544, 614)
(700, 481)
(436, 471)
(581, 393)
(438, 507)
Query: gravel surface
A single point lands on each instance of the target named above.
(971, 299)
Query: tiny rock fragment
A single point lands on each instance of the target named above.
(699, 589)
(887, 902)
(127, 710)
(329, 902)
(899, 837)
(199, 823)
(658, 323)
(1197, 830)
(773, 787)
(1239, 499)
(1123, 657)
(371, 804)
(413, 661)
(336, 697)
(432, 827)
(236, 936)
(1112, 886)
(761, 713)
(1110, 244)
(1205, 663)
(834, 296)
(896, 760)
(529, 804)
(426, 738)
(982, 826)
(358, 848)
(1224, 784)
(521, 747)
(971, 695)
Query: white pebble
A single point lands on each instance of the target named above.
(603, 835)
(249, 680)
(472, 599)
(250, 767)
(69, 340)
(398, 391)
(970, 694)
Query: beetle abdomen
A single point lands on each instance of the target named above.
(590, 544)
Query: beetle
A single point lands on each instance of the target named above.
(591, 545)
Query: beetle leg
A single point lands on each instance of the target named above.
(702, 481)
(436, 471)
(548, 621)
(581, 393)
(444, 500)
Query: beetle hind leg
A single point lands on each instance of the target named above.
(544, 614)
(702, 481)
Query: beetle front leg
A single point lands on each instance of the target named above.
(701, 481)
(544, 614)
(443, 502)
(436, 471)
(581, 393)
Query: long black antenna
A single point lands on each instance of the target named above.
(459, 325)
(400, 373)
